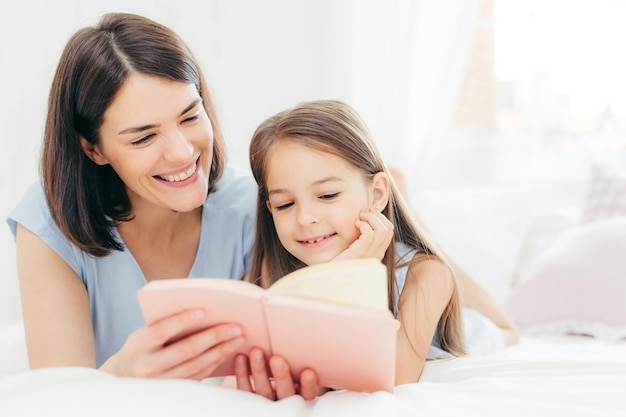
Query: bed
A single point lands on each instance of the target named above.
(545, 374)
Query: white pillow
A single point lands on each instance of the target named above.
(607, 193)
(581, 277)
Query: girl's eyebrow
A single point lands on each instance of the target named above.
(146, 127)
(327, 179)
(315, 183)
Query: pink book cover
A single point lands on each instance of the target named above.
(224, 300)
(348, 347)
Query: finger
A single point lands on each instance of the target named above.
(309, 387)
(166, 329)
(376, 220)
(285, 386)
(380, 225)
(201, 352)
(369, 225)
(372, 242)
(373, 234)
(365, 230)
(203, 366)
(262, 383)
(242, 373)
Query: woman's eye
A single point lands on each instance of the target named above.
(143, 140)
(329, 196)
(284, 206)
(192, 118)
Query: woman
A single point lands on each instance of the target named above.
(134, 188)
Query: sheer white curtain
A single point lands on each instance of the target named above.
(412, 57)
(399, 63)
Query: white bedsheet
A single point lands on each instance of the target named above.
(541, 376)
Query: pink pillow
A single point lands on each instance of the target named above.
(580, 277)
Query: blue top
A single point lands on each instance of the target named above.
(112, 281)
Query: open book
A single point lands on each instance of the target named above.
(332, 318)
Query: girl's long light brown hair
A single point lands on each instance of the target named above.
(334, 127)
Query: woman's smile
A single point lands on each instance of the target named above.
(180, 179)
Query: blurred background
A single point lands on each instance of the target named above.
(497, 111)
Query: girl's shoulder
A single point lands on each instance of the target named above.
(409, 261)
(404, 253)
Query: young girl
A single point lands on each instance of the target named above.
(325, 194)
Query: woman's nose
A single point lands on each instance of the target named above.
(178, 147)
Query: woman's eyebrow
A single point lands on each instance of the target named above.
(191, 106)
(146, 127)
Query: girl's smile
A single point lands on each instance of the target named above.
(317, 241)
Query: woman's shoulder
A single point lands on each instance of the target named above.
(31, 210)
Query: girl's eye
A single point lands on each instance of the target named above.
(329, 196)
(143, 140)
(284, 206)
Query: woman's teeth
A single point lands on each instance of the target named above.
(179, 177)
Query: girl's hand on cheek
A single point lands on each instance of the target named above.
(376, 236)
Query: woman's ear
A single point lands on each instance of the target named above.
(92, 152)
(381, 188)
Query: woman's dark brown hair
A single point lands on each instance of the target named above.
(86, 200)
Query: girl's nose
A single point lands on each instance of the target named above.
(306, 216)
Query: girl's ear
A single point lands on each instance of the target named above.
(269, 206)
(92, 152)
(381, 188)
